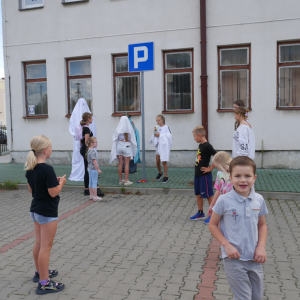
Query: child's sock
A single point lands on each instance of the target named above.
(200, 212)
(44, 282)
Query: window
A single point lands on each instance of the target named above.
(36, 89)
(288, 75)
(178, 81)
(28, 4)
(72, 1)
(79, 81)
(127, 96)
(234, 76)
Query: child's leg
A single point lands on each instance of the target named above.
(37, 244)
(256, 275)
(199, 202)
(48, 231)
(94, 183)
(158, 163)
(120, 157)
(91, 184)
(165, 165)
(210, 199)
(126, 163)
(237, 275)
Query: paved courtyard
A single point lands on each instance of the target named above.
(138, 247)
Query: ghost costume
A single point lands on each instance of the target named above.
(80, 108)
(162, 143)
(123, 127)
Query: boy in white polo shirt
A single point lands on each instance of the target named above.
(243, 231)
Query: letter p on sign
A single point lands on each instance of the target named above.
(141, 57)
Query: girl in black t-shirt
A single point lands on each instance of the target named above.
(45, 187)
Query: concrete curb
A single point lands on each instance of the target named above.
(166, 191)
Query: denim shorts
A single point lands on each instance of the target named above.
(93, 175)
(203, 186)
(41, 219)
(124, 148)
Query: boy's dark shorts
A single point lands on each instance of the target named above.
(203, 186)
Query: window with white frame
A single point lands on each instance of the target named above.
(79, 76)
(127, 96)
(28, 4)
(178, 81)
(288, 75)
(234, 76)
(36, 89)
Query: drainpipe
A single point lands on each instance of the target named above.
(203, 76)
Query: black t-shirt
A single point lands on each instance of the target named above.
(205, 151)
(40, 179)
(85, 130)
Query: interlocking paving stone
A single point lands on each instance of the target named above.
(134, 247)
(269, 180)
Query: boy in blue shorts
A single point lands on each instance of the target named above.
(203, 178)
(243, 231)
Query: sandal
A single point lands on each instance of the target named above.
(52, 273)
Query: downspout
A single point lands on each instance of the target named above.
(11, 123)
(203, 76)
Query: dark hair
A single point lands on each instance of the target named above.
(239, 103)
(242, 161)
(85, 117)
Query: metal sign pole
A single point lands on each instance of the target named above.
(143, 124)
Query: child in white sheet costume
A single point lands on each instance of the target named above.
(162, 140)
(124, 147)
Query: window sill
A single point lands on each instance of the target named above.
(30, 8)
(178, 112)
(35, 117)
(68, 116)
(130, 113)
(230, 110)
(288, 108)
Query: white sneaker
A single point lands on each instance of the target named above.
(97, 199)
(128, 183)
(121, 182)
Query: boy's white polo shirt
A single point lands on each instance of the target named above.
(239, 221)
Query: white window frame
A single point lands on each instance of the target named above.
(23, 6)
(230, 49)
(221, 71)
(289, 61)
(170, 53)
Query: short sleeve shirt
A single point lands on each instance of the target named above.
(223, 183)
(91, 154)
(40, 179)
(204, 153)
(239, 221)
(85, 130)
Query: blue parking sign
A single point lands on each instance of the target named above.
(141, 57)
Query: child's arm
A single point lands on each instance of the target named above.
(29, 188)
(260, 255)
(216, 196)
(53, 192)
(96, 166)
(208, 169)
(216, 232)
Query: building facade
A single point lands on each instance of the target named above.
(2, 102)
(65, 50)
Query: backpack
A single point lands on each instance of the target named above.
(78, 132)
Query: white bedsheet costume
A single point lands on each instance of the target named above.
(162, 143)
(81, 107)
(123, 127)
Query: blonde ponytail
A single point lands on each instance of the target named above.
(222, 161)
(37, 145)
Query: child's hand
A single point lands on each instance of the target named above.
(157, 134)
(62, 180)
(99, 171)
(209, 212)
(232, 252)
(260, 255)
(205, 170)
